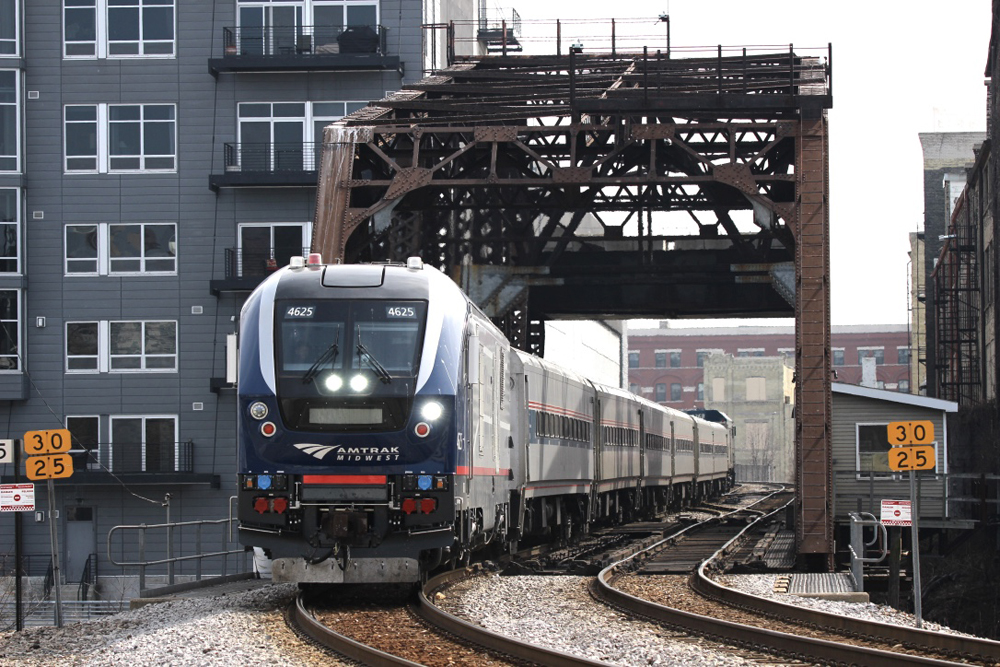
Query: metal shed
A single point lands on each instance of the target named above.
(859, 441)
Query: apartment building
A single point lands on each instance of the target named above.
(157, 160)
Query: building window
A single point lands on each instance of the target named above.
(756, 389)
(143, 444)
(285, 136)
(10, 229)
(8, 27)
(10, 330)
(633, 360)
(86, 438)
(675, 359)
(703, 355)
(873, 450)
(903, 386)
(903, 354)
(675, 391)
(786, 351)
(113, 249)
(633, 387)
(838, 356)
(718, 389)
(118, 28)
(113, 138)
(10, 120)
(750, 352)
(701, 391)
(270, 29)
(265, 247)
(661, 392)
(121, 347)
(660, 359)
(877, 352)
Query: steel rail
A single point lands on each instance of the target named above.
(486, 638)
(914, 638)
(328, 638)
(758, 638)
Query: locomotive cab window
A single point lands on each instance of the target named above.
(347, 365)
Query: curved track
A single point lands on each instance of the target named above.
(813, 649)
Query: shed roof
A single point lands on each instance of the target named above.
(895, 397)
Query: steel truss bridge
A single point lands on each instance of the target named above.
(610, 186)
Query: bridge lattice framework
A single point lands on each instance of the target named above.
(610, 185)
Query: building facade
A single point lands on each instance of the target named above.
(157, 160)
(666, 364)
(757, 393)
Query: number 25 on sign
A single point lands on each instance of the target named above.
(911, 433)
(49, 466)
(919, 457)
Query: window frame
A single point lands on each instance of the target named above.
(18, 118)
(878, 351)
(103, 41)
(16, 224)
(13, 363)
(676, 392)
(144, 443)
(16, 53)
(103, 259)
(870, 474)
(102, 123)
(98, 447)
(104, 358)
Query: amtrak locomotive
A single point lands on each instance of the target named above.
(387, 427)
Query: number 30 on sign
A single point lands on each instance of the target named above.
(54, 441)
(911, 433)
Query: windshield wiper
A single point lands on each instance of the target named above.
(329, 355)
(369, 359)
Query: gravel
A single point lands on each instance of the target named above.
(559, 613)
(234, 629)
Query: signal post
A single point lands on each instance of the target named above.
(48, 459)
(912, 448)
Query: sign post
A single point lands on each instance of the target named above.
(913, 449)
(48, 459)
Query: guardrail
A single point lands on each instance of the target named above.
(225, 527)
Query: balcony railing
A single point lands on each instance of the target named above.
(306, 40)
(247, 267)
(253, 157)
(268, 165)
(274, 48)
(135, 457)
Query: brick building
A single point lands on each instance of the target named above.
(666, 364)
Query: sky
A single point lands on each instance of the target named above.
(899, 68)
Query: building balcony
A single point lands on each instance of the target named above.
(303, 48)
(147, 463)
(501, 32)
(253, 165)
(248, 267)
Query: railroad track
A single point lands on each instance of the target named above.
(901, 639)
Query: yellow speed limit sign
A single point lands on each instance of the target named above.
(54, 441)
(919, 457)
(49, 466)
(911, 433)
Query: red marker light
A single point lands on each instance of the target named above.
(423, 429)
(268, 429)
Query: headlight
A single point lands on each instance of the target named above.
(431, 411)
(333, 382)
(258, 410)
(359, 383)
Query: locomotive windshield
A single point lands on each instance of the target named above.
(347, 365)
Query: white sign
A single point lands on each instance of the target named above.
(6, 451)
(896, 513)
(17, 497)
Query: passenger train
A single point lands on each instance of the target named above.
(387, 427)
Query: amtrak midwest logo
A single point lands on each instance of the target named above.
(353, 454)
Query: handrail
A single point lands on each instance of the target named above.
(857, 546)
(143, 563)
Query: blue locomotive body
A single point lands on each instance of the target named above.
(386, 426)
